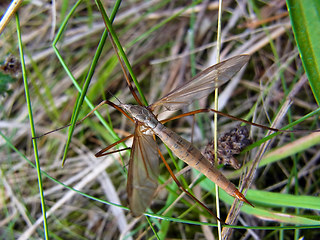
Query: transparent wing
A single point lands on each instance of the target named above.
(143, 172)
(202, 84)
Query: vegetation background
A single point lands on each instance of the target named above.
(166, 42)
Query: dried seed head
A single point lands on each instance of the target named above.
(229, 144)
(11, 65)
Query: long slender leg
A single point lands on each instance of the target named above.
(186, 191)
(88, 115)
(236, 119)
(225, 115)
(102, 152)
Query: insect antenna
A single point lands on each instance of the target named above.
(88, 115)
(114, 96)
(52, 131)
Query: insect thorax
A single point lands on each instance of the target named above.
(141, 114)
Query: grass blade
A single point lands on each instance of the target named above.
(33, 134)
(305, 20)
(81, 96)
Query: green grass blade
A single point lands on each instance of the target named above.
(291, 148)
(81, 96)
(33, 134)
(121, 51)
(272, 199)
(305, 20)
(264, 200)
(153, 229)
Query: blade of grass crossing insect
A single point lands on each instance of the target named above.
(33, 134)
(81, 96)
(121, 51)
(215, 136)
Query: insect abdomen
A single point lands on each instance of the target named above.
(193, 157)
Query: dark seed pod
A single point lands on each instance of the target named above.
(229, 144)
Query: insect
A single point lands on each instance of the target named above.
(144, 164)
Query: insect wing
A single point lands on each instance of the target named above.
(202, 84)
(143, 172)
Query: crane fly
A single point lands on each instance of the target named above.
(144, 159)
